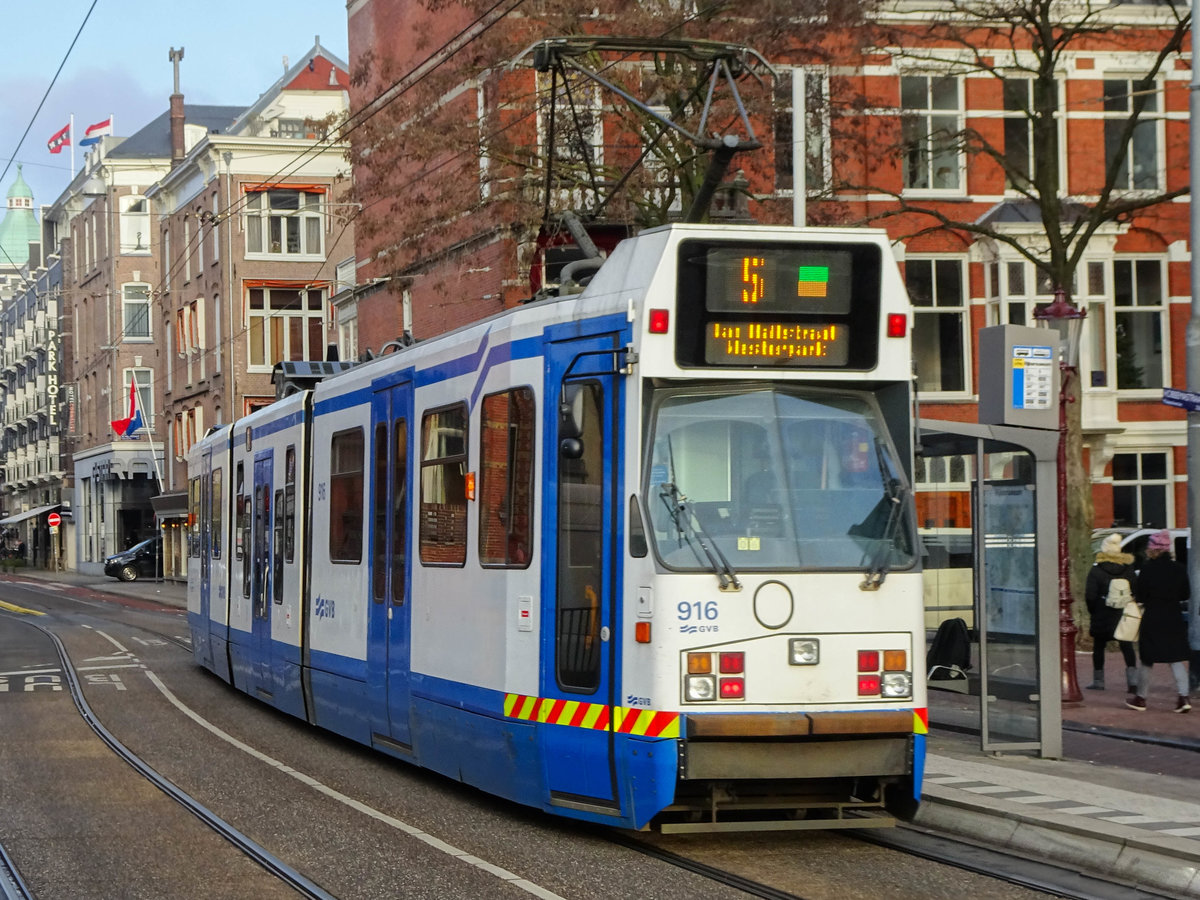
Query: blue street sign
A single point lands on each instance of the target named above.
(1188, 400)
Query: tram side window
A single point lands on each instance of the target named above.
(346, 496)
(580, 538)
(217, 501)
(379, 527)
(239, 515)
(289, 505)
(506, 479)
(193, 516)
(443, 525)
(242, 525)
(277, 554)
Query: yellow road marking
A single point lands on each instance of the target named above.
(12, 607)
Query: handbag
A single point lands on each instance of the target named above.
(1131, 622)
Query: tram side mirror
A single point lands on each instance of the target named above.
(572, 411)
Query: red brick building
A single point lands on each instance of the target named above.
(928, 129)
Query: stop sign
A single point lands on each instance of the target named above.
(54, 520)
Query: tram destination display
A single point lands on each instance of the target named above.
(766, 305)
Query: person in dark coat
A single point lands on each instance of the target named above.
(1162, 588)
(1111, 562)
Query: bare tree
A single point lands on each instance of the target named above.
(1022, 50)
(455, 140)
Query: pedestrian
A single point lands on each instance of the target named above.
(1111, 563)
(1162, 588)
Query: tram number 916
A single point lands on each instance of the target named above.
(699, 611)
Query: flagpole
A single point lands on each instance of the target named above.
(137, 388)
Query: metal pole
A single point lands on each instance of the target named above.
(799, 150)
(1192, 355)
(1066, 622)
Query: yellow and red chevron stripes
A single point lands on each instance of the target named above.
(920, 721)
(579, 714)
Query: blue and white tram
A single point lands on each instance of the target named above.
(641, 555)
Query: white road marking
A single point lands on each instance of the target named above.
(410, 830)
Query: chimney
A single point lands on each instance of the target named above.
(177, 148)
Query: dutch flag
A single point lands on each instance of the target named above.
(127, 426)
(95, 132)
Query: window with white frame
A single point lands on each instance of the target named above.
(135, 306)
(1135, 156)
(1140, 489)
(1139, 305)
(189, 327)
(1017, 289)
(135, 225)
(578, 136)
(1020, 149)
(214, 230)
(931, 117)
(285, 323)
(285, 222)
(937, 289)
(817, 172)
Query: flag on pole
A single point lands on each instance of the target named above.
(95, 132)
(59, 139)
(127, 426)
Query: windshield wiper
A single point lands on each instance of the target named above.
(893, 496)
(692, 530)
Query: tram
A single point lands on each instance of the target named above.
(643, 555)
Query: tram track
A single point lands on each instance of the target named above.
(12, 886)
(264, 858)
(1034, 875)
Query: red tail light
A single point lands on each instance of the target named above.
(868, 685)
(734, 688)
(868, 660)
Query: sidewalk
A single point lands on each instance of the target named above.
(168, 592)
(1124, 803)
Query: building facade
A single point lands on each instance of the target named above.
(195, 255)
(901, 113)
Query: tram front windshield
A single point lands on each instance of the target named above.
(775, 478)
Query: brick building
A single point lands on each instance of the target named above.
(197, 253)
(891, 103)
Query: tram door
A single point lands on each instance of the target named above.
(388, 629)
(262, 573)
(580, 547)
(203, 637)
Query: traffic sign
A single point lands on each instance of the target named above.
(1188, 400)
(54, 520)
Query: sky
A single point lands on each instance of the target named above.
(120, 66)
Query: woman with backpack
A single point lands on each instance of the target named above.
(1111, 582)
(1162, 590)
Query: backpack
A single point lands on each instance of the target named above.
(1119, 593)
(950, 653)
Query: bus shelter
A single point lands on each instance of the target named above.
(987, 515)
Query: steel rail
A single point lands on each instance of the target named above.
(252, 849)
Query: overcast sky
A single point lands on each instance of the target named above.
(120, 66)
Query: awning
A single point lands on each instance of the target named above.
(170, 506)
(20, 517)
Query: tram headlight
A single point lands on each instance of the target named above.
(804, 651)
(698, 688)
(897, 684)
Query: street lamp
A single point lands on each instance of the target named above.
(1067, 319)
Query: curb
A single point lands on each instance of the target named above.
(1161, 862)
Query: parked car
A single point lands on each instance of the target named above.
(1134, 540)
(139, 561)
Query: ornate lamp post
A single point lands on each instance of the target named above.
(1067, 319)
